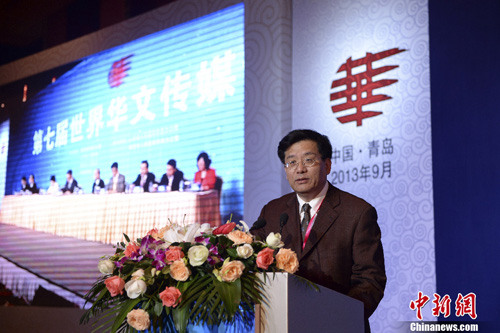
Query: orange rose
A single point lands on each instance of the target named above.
(173, 253)
(170, 296)
(265, 258)
(240, 237)
(179, 271)
(131, 248)
(286, 260)
(231, 270)
(138, 319)
(157, 234)
(115, 285)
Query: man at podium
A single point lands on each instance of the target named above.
(335, 234)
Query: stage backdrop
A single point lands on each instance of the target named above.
(171, 94)
(361, 76)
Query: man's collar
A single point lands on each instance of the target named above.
(314, 203)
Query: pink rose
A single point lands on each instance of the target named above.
(286, 260)
(231, 270)
(115, 285)
(173, 253)
(170, 296)
(240, 237)
(265, 258)
(138, 319)
(131, 249)
(224, 229)
(179, 271)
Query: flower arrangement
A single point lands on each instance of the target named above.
(185, 274)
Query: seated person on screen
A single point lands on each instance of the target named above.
(205, 177)
(54, 186)
(24, 184)
(71, 183)
(98, 182)
(172, 178)
(117, 182)
(145, 179)
(32, 185)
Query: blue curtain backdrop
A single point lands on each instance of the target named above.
(464, 49)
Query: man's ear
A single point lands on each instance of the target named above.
(328, 163)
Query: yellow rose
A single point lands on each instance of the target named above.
(286, 260)
(179, 271)
(138, 319)
(240, 237)
(231, 270)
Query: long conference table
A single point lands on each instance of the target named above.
(104, 218)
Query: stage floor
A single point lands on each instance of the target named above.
(64, 265)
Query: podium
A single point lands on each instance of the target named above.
(293, 306)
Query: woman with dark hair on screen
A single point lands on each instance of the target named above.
(205, 177)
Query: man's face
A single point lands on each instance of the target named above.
(170, 170)
(31, 180)
(97, 174)
(144, 169)
(114, 171)
(23, 182)
(68, 176)
(307, 182)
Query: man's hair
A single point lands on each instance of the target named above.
(70, 172)
(207, 160)
(173, 163)
(146, 162)
(23, 178)
(324, 145)
(114, 165)
(53, 178)
(32, 175)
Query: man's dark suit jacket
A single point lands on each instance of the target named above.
(149, 180)
(343, 252)
(71, 188)
(32, 188)
(178, 176)
(101, 185)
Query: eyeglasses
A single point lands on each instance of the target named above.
(308, 162)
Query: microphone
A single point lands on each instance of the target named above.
(260, 223)
(283, 221)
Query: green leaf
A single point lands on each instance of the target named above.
(181, 317)
(230, 293)
(158, 308)
(124, 310)
(126, 238)
(232, 252)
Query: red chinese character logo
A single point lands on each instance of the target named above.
(118, 71)
(441, 305)
(419, 303)
(466, 305)
(360, 86)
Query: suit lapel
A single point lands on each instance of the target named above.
(327, 215)
(293, 238)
